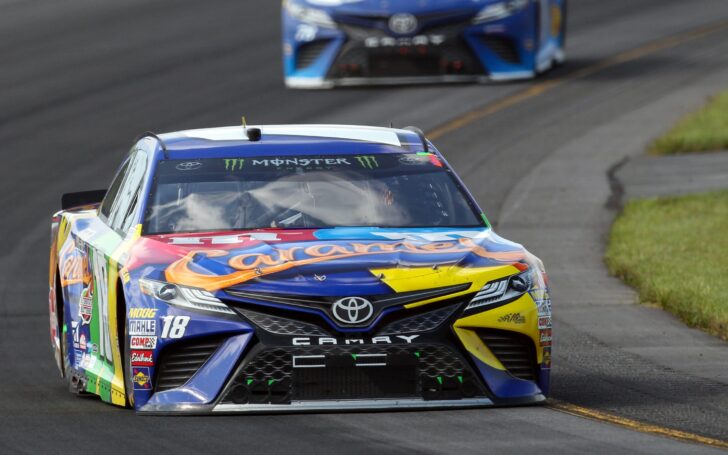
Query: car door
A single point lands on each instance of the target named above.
(104, 247)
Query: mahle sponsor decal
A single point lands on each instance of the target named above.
(142, 327)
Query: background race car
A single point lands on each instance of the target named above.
(353, 42)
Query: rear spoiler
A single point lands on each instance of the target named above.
(70, 200)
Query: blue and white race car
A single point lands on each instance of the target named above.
(356, 42)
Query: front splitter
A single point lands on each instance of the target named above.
(334, 406)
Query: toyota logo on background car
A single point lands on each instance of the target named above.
(403, 24)
(352, 310)
(189, 166)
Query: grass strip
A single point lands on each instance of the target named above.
(703, 131)
(674, 251)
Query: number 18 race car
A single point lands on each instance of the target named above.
(293, 268)
(355, 42)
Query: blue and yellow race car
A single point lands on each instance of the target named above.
(293, 268)
(354, 42)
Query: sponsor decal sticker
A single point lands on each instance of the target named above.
(124, 273)
(143, 342)
(85, 307)
(142, 313)
(141, 378)
(544, 322)
(256, 264)
(142, 358)
(547, 357)
(545, 337)
(142, 327)
(300, 162)
(512, 318)
(82, 342)
(368, 162)
(234, 164)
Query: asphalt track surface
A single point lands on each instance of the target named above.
(80, 78)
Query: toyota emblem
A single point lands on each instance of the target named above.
(403, 23)
(352, 310)
(189, 166)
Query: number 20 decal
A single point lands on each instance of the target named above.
(174, 326)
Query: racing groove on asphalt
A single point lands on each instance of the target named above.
(81, 79)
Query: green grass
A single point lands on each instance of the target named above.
(674, 251)
(702, 131)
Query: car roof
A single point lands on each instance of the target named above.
(290, 139)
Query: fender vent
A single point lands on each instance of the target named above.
(504, 48)
(515, 351)
(179, 362)
(309, 52)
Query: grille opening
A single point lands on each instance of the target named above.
(309, 52)
(515, 351)
(430, 371)
(179, 362)
(504, 48)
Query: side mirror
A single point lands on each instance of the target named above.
(70, 200)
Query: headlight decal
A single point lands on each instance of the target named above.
(183, 297)
(500, 10)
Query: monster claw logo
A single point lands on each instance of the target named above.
(368, 162)
(234, 164)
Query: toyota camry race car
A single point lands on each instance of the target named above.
(353, 42)
(287, 268)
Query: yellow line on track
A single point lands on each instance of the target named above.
(540, 88)
(635, 425)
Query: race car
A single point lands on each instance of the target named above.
(329, 43)
(293, 268)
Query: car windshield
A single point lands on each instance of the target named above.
(387, 190)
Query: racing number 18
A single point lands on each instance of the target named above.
(174, 326)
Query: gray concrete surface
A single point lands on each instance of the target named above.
(674, 175)
(81, 78)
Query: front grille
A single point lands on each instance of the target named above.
(420, 323)
(244, 300)
(309, 52)
(281, 326)
(179, 362)
(504, 48)
(515, 351)
(280, 375)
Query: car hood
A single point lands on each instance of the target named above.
(387, 7)
(324, 262)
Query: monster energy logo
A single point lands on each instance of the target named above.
(234, 164)
(368, 162)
